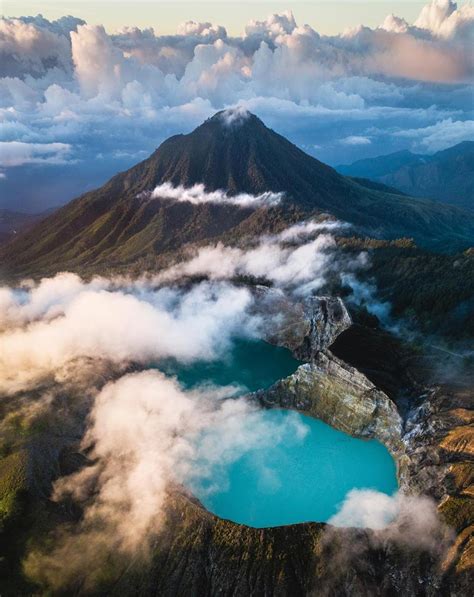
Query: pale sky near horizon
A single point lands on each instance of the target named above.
(325, 16)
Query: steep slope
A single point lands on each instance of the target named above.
(16, 222)
(120, 222)
(446, 176)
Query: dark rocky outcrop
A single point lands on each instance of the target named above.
(304, 326)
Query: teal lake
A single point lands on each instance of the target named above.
(253, 365)
(293, 477)
(298, 480)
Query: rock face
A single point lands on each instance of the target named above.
(199, 554)
(330, 390)
(305, 327)
(325, 387)
(327, 317)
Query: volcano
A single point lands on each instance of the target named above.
(233, 152)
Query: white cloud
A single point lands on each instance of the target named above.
(301, 269)
(355, 140)
(197, 195)
(439, 136)
(445, 19)
(166, 323)
(102, 69)
(434, 14)
(26, 48)
(17, 153)
(202, 29)
(395, 24)
(45, 325)
(366, 508)
(272, 27)
(301, 230)
(235, 116)
(408, 520)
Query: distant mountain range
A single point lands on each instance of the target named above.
(446, 176)
(121, 221)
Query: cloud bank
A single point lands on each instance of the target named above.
(112, 98)
(194, 325)
(45, 325)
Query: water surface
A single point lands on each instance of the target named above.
(299, 479)
(251, 364)
(300, 471)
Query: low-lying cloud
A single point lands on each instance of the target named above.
(404, 519)
(301, 269)
(147, 435)
(197, 195)
(45, 325)
(124, 326)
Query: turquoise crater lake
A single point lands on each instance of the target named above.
(293, 477)
(300, 479)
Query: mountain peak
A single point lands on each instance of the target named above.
(232, 120)
(235, 116)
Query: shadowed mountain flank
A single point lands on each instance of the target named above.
(446, 176)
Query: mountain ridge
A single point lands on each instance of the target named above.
(447, 175)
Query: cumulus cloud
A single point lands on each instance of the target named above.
(272, 27)
(197, 194)
(439, 136)
(395, 24)
(29, 49)
(443, 18)
(17, 153)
